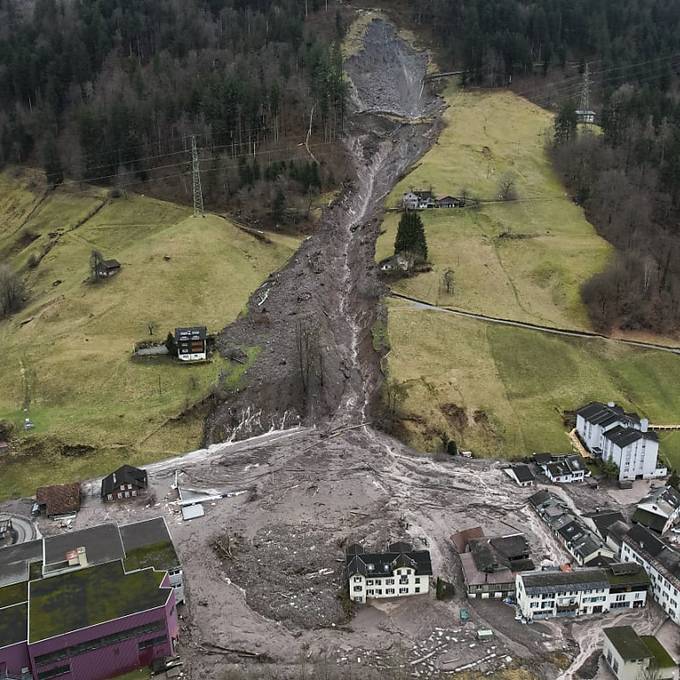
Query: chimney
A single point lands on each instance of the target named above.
(644, 424)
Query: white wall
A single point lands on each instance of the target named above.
(400, 583)
(624, 670)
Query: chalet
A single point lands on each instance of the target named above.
(520, 474)
(631, 656)
(660, 510)
(192, 343)
(400, 571)
(105, 269)
(58, 499)
(125, 482)
(491, 563)
(450, 202)
(622, 438)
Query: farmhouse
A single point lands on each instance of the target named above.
(58, 499)
(398, 572)
(549, 594)
(59, 616)
(629, 655)
(520, 474)
(490, 564)
(125, 482)
(418, 200)
(621, 438)
(450, 202)
(659, 511)
(192, 343)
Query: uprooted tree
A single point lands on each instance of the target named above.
(411, 236)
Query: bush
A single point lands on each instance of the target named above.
(11, 292)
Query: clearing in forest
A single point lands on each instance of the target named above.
(68, 351)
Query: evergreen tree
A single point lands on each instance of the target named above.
(565, 124)
(278, 206)
(411, 235)
(52, 162)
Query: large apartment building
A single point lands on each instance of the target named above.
(621, 438)
(89, 604)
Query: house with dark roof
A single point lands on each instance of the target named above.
(400, 571)
(521, 474)
(600, 520)
(88, 604)
(562, 469)
(418, 200)
(631, 656)
(661, 561)
(126, 482)
(192, 343)
(58, 499)
(624, 439)
(659, 510)
(105, 269)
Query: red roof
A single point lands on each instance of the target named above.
(59, 499)
(462, 538)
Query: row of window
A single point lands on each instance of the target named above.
(388, 591)
(54, 672)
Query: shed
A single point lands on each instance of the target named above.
(108, 268)
(58, 499)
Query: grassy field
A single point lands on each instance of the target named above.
(523, 260)
(69, 349)
(501, 391)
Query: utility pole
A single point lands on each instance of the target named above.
(584, 104)
(196, 177)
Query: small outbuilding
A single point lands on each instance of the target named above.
(58, 499)
(192, 343)
(108, 268)
(126, 482)
(521, 474)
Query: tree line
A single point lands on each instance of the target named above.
(112, 89)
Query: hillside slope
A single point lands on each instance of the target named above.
(69, 350)
(502, 391)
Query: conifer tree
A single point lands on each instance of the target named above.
(411, 235)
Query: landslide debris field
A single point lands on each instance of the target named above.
(68, 351)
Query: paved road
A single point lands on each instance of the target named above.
(25, 528)
(565, 332)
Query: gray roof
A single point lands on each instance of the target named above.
(602, 414)
(14, 561)
(556, 581)
(649, 520)
(603, 519)
(624, 436)
(102, 544)
(523, 473)
(383, 564)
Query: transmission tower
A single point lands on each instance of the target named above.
(196, 177)
(585, 114)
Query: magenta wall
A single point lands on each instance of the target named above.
(15, 657)
(117, 658)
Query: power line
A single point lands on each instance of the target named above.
(196, 180)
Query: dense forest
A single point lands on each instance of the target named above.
(112, 90)
(628, 178)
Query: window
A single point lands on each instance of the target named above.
(417, 589)
(403, 590)
(145, 644)
(417, 579)
(54, 672)
(369, 592)
(357, 589)
(378, 591)
(357, 579)
(389, 591)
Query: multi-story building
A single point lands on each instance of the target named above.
(89, 604)
(398, 572)
(620, 438)
(659, 510)
(548, 594)
(661, 561)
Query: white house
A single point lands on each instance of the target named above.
(562, 469)
(660, 510)
(619, 437)
(630, 655)
(398, 572)
(418, 200)
(550, 594)
(661, 562)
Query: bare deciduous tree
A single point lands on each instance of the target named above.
(507, 187)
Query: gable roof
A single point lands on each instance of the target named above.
(539, 498)
(126, 474)
(189, 333)
(383, 564)
(649, 520)
(646, 540)
(627, 643)
(603, 519)
(461, 539)
(59, 499)
(598, 413)
(522, 472)
(665, 497)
